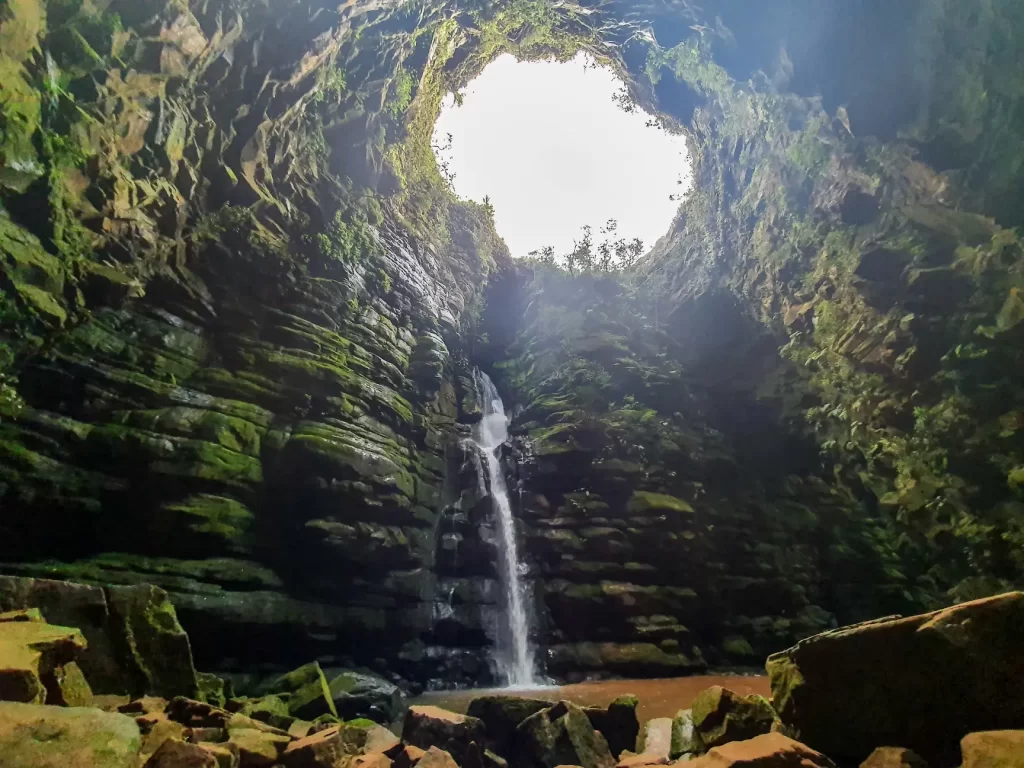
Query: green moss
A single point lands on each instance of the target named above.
(215, 517)
(643, 502)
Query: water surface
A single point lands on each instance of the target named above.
(659, 697)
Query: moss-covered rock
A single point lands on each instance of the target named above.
(720, 716)
(562, 735)
(37, 736)
(892, 667)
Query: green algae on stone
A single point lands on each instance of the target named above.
(36, 736)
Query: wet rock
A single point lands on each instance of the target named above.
(356, 695)
(562, 735)
(720, 716)
(993, 749)
(501, 715)
(307, 690)
(898, 677)
(617, 723)
(427, 726)
(894, 757)
(40, 736)
(772, 750)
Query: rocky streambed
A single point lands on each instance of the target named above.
(936, 690)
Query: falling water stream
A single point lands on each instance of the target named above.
(514, 655)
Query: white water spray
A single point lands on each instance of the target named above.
(514, 655)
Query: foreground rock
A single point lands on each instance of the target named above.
(656, 738)
(37, 661)
(35, 736)
(894, 757)
(993, 749)
(772, 750)
(562, 735)
(618, 723)
(720, 716)
(501, 715)
(135, 643)
(427, 726)
(922, 682)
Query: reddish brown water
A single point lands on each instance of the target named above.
(661, 697)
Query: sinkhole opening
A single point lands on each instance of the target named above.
(557, 147)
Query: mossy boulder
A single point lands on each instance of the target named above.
(922, 682)
(308, 693)
(360, 695)
(39, 736)
(720, 716)
(501, 715)
(155, 646)
(562, 735)
(617, 723)
(427, 726)
(33, 658)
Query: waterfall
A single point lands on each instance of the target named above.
(514, 655)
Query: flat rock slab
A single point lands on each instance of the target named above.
(993, 749)
(39, 736)
(772, 750)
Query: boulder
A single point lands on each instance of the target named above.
(307, 691)
(257, 748)
(771, 750)
(135, 643)
(427, 726)
(501, 716)
(32, 656)
(40, 736)
(684, 739)
(356, 694)
(923, 682)
(656, 737)
(436, 758)
(319, 750)
(408, 756)
(618, 723)
(157, 730)
(68, 687)
(894, 757)
(993, 749)
(562, 735)
(174, 753)
(720, 716)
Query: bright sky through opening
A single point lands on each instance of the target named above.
(553, 151)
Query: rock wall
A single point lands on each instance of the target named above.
(241, 305)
